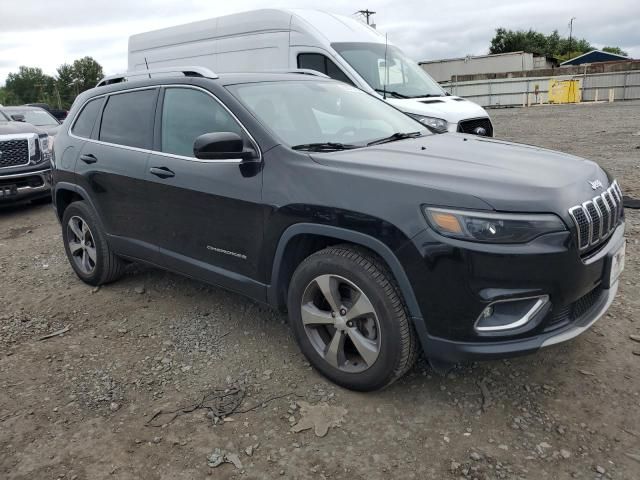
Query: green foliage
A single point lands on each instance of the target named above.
(32, 85)
(616, 50)
(552, 45)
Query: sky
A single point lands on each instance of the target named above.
(47, 33)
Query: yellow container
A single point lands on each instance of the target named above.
(565, 91)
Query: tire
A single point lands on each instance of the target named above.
(371, 330)
(93, 260)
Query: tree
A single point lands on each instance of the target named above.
(87, 72)
(552, 45)
(65, 85)
(616, 50)
(29, 85)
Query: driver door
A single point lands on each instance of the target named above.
(207, 216)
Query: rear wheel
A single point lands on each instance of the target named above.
(349, 319)
(86, 247)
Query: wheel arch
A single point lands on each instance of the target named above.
(286, 259)
(65, 194)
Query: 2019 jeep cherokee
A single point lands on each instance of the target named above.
(317, 198)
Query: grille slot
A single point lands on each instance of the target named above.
(563, 315)
(595, 219)
(468, 126)
(14, 153)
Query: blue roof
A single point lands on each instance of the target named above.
(595, 56)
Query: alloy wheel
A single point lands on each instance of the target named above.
(81, 244)
(341, 323)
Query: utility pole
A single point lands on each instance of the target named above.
(366, 13)
(570, 31)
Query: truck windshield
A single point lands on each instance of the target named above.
(393, 73)
(324, 115)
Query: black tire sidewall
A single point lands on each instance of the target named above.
(85, 212)
(382, 372)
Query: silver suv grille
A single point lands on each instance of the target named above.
(598, 217)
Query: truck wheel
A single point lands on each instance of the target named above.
(87, 248)
(349, 319)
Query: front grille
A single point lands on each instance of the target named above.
(595, 219)
(14, 153)
(468, 126)
(561, 316)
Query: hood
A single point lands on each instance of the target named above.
(51, 130)
(12, 128)
(450, 108)
(507, 176)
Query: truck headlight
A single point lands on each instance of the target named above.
(436, 125)
(492, 227)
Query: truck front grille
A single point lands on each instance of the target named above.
(14, 153)
(597, 218)
(470, 126)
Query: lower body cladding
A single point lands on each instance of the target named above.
(481, 301)
(27, 185)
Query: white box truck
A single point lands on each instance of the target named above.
(340, 47)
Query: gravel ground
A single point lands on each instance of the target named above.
(81, 405)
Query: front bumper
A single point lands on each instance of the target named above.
(452, 351)
(26, 185)
(454, 282)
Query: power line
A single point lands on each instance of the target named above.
(366, 13)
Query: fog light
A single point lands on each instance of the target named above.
(507, 315)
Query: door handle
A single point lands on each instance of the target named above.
(162, 172)
(89, 158)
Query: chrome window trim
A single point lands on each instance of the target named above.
(166, 154)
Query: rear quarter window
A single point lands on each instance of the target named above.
(83, 126)
(128, 118)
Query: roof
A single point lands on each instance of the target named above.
(489, 55)
(594, 56)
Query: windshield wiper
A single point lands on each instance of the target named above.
(394, 137)
(324, 146)
(391, 92)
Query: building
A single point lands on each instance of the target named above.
(595, 56)
(447, 69)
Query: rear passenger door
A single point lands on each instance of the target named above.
(207, 214)
(112, 167)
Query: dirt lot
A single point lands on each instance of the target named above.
(77, 406)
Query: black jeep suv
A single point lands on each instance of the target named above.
(308, 194)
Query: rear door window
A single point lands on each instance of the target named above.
(128, 118)
(323, 64)
(188, 113)
(83, 125)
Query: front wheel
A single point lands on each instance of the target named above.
(349, 319)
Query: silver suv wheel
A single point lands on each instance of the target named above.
(341, 323)
(81, 244)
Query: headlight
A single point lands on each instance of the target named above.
(492, 227)
(436, 125)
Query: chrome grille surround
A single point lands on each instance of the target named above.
(596, 219)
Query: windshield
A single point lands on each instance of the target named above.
(310, 112)
(38, 118)
(394, 72)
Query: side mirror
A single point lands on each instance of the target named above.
(221, 146)
(17, 117)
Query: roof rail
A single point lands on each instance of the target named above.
(301, 71)
(136, 74)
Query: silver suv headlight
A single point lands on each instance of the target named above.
(436, 125)
(492, 227)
